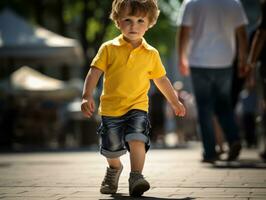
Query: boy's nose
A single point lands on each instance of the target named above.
(133, 25)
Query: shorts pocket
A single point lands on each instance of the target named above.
(148, 127)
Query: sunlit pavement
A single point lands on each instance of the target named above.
(174, 174)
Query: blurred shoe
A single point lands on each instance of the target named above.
(110, 181)
(234, 151)
(137, 184)
(221, 152)
(210, 160)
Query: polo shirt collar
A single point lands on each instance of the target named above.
(119, 41)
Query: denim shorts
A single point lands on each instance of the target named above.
(116, 132)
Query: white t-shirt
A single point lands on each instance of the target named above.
(213, 24)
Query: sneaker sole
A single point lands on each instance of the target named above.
(139, 188)
(108, 192)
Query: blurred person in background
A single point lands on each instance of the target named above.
(157, 117)
(258, 53)
(207, 48)
(186, 127)
(218, 136)
(248, 102)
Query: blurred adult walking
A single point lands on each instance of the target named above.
(207, 47)
(257, 53)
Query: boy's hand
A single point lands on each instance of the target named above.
(179, 109)
(87, 107)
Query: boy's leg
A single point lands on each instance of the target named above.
(114, 163)
(137, 155)
(110, 182)
(137, 184)
(137, 141)
(112, 147)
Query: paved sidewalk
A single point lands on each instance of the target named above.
(174, 174)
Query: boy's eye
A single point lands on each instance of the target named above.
(141, 21)
(127, 20)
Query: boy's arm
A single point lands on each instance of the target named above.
(91, 80)
(166, 88)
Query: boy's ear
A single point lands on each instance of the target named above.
(150, 25)
(117, 24)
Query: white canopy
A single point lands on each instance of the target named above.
(27, 81)
(21, 40)
(26, 78)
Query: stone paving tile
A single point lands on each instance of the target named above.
(29, 198)
(222, 198)
(173, 174)
(263, 198)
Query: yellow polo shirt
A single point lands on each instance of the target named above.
(127, 74)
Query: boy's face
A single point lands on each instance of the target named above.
(133, 28)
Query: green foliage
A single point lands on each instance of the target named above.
(72, 11)
(93, 27)
(111, 32)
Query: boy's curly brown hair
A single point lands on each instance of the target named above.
(136, 8)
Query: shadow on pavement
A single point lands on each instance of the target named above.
(120, 196)
(241, 164)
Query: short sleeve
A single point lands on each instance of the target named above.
(101, 59)
(158, 69)
(185, 14)
(240, 15)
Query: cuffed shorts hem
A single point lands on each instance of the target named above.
(136, 136)
(112, 154)
(139, 137)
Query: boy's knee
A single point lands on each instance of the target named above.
(136, 143)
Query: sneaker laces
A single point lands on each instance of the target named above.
(135, 176)
(110, 176)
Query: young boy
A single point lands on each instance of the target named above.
(128, 63)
